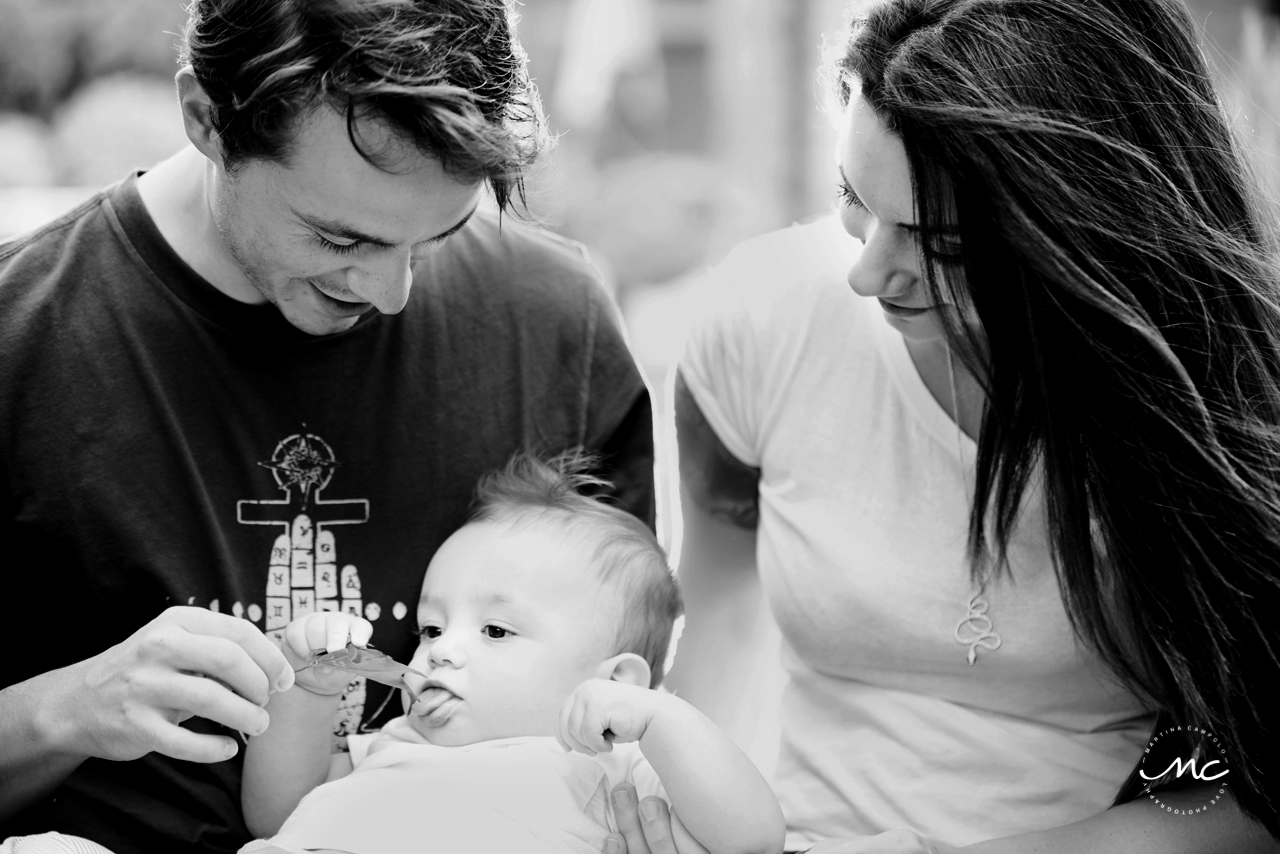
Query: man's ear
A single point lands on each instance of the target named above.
(628, 668)
(197, 115)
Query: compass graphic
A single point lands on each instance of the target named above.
(303, 574)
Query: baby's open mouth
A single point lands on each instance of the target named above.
(435, 705)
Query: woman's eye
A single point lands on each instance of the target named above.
(496, 632)
(944, 250)
(337, 248)
(429, 632)
(847, 196)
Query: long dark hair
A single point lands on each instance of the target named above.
(1125, 278)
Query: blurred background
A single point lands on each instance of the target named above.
(684, 127)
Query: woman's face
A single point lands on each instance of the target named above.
(877, 207)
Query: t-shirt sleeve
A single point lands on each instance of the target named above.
(620, 415)
(753, 314)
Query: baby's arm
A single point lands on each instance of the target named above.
(718, 793)
(293, 756)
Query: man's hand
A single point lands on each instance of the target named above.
(600, 712)
(128, 701)
(643, 828)
(329, 631)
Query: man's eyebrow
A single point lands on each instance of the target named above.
(462, 222)
(346, 232)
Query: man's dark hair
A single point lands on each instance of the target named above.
(447, 76)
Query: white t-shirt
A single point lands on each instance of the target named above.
(522, 795)
(864, 496)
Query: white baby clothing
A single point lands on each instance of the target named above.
(512, 794)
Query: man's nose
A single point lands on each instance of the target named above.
(383, 281)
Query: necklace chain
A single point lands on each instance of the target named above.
(975, 629)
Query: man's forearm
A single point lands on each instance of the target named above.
(32, 763)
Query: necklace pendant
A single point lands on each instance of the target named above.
(976, 629)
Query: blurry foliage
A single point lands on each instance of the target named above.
(1258, 96)
(95, 147)
(27, 160)
(51, 48)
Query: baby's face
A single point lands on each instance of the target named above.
(512, 619)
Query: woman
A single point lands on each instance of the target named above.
(1028, 496)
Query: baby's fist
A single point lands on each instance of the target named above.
(600, 712)
(328, 631)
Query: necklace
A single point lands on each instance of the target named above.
(975, 629)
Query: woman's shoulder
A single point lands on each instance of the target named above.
(776, 281)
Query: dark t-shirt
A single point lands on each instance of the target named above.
(162, 444)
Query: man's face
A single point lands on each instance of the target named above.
(512, 619)
(327, 236)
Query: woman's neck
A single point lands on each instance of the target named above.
(935, 367)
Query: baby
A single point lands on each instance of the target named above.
(545, 623)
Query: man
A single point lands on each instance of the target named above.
(262, 379)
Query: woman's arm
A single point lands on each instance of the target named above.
(1143, 827)
(719, 507)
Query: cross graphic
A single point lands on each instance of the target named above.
(303, 574)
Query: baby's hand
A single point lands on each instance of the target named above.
(329, 631)
(600, 712)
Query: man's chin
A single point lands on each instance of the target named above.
(318, 326)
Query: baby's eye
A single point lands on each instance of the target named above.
(496, 632)
(429, 632)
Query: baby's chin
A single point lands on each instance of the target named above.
(452, 726)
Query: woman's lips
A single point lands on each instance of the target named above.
(435, 705)
(903, 311)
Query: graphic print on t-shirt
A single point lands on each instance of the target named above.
(302, 573)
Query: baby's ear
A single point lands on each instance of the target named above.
(628, 668)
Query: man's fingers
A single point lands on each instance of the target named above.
(222, 659)
(210, 700)
(265, 654)
(656, 824)
(174, 741)
(626, 811)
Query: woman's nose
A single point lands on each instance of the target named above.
(881, 269)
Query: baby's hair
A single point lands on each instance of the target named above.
(627, 556)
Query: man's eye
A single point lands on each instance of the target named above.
(496, 632)
(337, 248)
(429, 632)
